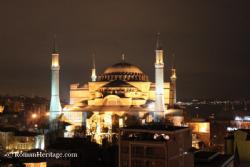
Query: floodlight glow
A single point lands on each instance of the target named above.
(229, 129)
(151, 105)
(34, 115)
(246, 118)
(166, 137)
(237, 118)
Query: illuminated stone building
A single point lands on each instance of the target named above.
(121, 95)
(14, 140)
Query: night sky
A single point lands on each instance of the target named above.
(210, 38)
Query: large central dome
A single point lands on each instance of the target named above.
(123, 67)
(123, 71)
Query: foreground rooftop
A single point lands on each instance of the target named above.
(154, 128)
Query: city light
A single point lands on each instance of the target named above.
(245, 118)
(230, 129)
(1, 109)
(237, 118)
(34, 115)
(200, 127)
(166, 137)
(151, 105)
(121, 122)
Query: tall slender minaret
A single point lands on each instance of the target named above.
(173, 78)
(93, 73)
(55, 104)
(159, 82)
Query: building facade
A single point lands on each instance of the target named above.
(155, 146)
(120, 96)
(14, 140)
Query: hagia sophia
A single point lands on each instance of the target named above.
(119, 96)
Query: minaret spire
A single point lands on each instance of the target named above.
(173, 61)
(158, 42)
(93, 73)
(123, 57)
(54, 45)
(93, 61)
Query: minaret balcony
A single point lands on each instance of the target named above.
(159, 65)
(55, 68)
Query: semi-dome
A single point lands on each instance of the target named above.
(123, 71)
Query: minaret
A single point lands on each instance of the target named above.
(173, 78)
(159, 82)
(55, 105)
(93, 73)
